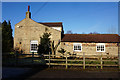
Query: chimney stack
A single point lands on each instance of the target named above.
(28, 8)
(28, 14)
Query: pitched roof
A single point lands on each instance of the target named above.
(52, 24)
(91, 38)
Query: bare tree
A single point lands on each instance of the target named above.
(69, 32)
(94, 33)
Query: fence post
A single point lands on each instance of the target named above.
(16, 59)
(49, 59)
(83, 60)
(32, 57)
(119, 55)
(66, 61)
(101, 61)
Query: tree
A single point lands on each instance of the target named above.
(62, 51)
(44, 46)
(54, 47)
(10, 40)
(69, 32)
(7, 38)
(94, 33)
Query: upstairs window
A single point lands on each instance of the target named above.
(33, 46)
(77, 47)
(100, 47)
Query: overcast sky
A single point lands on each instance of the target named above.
(79, 17)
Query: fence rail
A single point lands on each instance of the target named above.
(84, 61)
(68, 60)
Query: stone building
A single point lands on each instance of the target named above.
(28, 32)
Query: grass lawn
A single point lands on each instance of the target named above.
(23, 61)
(41, 61)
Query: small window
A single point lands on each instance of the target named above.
(33, 46)
(77, 47)
(100, 47)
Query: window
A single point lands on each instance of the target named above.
(33, 46)
(77, 47)
(100, 47)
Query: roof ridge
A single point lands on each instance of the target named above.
(91, 34)
(91, 38)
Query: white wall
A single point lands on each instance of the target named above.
(57, 28)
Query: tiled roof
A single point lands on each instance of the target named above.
(52, 24)
(91, 38)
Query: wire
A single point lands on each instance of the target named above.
(39, 9)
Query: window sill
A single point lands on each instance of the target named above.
(100, 51)
(77, 50)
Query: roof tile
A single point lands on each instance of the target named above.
(91, 38)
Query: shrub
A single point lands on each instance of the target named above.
(62, 51)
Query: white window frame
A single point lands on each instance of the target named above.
(100, 44)
(33, 42)
(77, 44)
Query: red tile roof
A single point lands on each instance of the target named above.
(91, 38)
(52, 24)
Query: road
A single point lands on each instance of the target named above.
(71, 74)
(59, 74)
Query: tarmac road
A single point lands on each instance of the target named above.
(70, 74)
(57, 74)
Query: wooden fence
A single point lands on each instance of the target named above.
(51, 60)
(71, 60)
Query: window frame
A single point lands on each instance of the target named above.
(33, 42)
(77, 45)
(100, 44)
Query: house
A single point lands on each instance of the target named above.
(28, 32)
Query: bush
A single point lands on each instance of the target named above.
(12, 53)
(62, 51)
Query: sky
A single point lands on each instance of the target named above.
(79, 17)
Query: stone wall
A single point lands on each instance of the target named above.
(111, 49)
(27, 30)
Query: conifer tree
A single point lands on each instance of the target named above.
(44, 46)
(7, 39)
